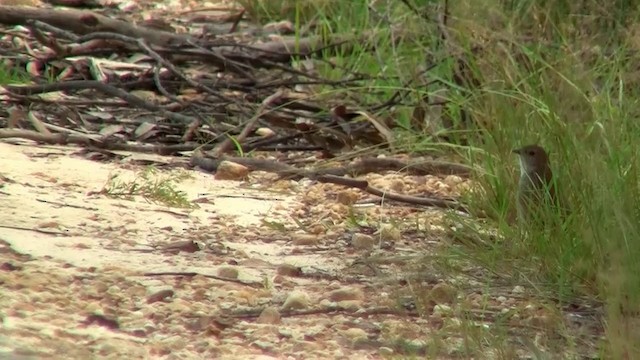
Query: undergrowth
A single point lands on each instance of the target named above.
(558, 73)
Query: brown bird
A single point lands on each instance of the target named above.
(536, 188)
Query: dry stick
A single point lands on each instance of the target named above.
(96, 142)
(223, 61)
(226, 144)
(85, 22)
(15, 98)
(231, 65)
(191, 128)
(192, 274)
(364, 185)
(236, 21)
(57, 32)
(153, 54)
(419, 167)
(158, 83)
(361, 167)
(48, 232)
(210, 8)
(290, 82)
(60, 138)
(105, 88)
(253, 313)
(179, 73)
(49, 42)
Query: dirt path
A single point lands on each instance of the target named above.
(72, 263)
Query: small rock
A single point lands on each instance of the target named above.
(7, 266)
(315, 330)
(199, 294)
(346, 294)
(100, 287)
(452, 180)
(265, 132)
(228, 170)
(441, 310)
(269, 315)
(228, 272)
(355, 334)
(189, 246)
(280, 27)
(396, 185)
(350, 305)
(136, 290)
(264, 357)
(300, 348)
(326, 303)
(545, 318)
(289, 270)
(305, 239)
(198, 323)
(180, 306)
(279, 279)
(138, 332)
(347, 197)
(317, 229)
(114, 290)
(443, 293)
(389, 232)
(296, 300)
(176, 342)
(452, 324)
(518, 289)
(161, 295)
(362, 241)
(385, 351)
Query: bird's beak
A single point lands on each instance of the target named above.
(516, 151)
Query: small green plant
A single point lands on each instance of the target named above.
(274, 225)
(12, 75)
(237, 145)
(273, 10)
(151, 187)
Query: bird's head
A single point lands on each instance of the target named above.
(533, 159)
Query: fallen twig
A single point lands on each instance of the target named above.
(192, 274)
(364, 185)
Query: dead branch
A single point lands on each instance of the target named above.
(192, 274)
(364, 185)
(97, 142)
(86, 22)
(105, 88)
(360, 167)
(335, 175)
(266, 103)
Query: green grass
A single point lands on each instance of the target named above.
(11, 75)
(559, 73)
(152, 187)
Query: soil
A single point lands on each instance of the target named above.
(74, 261)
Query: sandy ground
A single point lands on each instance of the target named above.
(73, 262)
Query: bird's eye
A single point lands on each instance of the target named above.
(531, 152)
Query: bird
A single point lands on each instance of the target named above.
(536, 187)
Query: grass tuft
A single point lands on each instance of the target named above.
(151, 187)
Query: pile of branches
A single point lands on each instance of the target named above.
(236, 87)
(107, 84)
